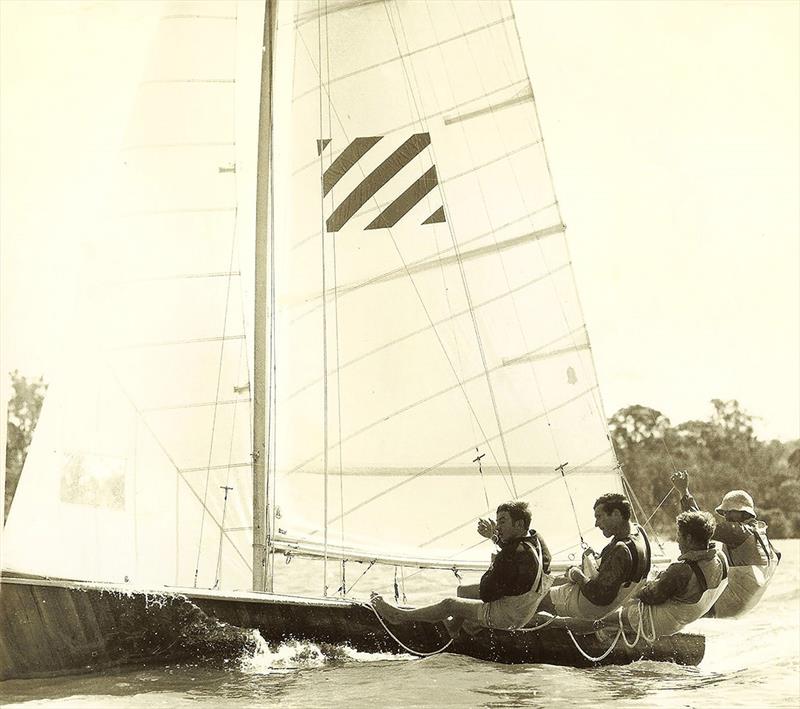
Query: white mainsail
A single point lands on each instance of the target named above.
(431, 279)
(423, 312)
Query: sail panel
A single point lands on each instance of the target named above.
(141, 463)
(410, 345)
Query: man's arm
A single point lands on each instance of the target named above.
(546, 556)
(669, 584)
(731, 533)
(612, 573)
(680, 481)
(493, 583)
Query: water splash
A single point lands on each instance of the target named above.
(294, 655)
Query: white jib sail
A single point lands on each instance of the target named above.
(140, 467)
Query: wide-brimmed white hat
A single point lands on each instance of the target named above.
(737, 500)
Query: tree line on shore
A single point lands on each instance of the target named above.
(720, 454)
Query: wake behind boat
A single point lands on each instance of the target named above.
(336, 269)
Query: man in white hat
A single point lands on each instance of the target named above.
(744, 538)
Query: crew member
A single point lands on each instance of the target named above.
(746, 545)
(508, 593)
(624, 563)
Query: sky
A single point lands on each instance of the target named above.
(673, 133)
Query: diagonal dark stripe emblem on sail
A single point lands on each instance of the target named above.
(436, 218)
(401, 206)
(349, 157)
(370, 185)
(322, 144)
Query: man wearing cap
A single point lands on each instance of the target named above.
(744, 539)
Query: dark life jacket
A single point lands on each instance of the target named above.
(638, 546)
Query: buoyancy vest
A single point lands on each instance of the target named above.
(709, 580)
(570, 601)
(753, 564)
(638, 546)
(756, 550)
(511, 612)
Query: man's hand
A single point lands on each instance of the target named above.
(486, 527)
(577, 576)
(680, 481)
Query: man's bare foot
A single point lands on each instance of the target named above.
(453, 626)
(385, 610)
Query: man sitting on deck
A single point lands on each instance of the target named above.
(746, 546)
(508, 593)
(624, 562)
(679, 595)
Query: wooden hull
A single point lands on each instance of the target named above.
(62, 627)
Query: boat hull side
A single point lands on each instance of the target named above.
(49, 628)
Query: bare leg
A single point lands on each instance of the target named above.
(470, 590)
(457, 608)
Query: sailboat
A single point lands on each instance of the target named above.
(330, 320)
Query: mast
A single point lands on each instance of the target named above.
(261, 530)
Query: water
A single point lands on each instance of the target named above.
(752, 662)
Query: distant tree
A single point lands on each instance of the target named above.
(639, 434)
(794, 461)
(23, 413)
(721, 454)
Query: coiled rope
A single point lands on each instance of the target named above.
(641, 633)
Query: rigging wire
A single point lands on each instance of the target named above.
(560, 468)
(226, 487)
(335, 310)
(324, 318)
(456, 250)
(216, 395)
(419, 297)
(180, 475)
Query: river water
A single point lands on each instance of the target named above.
(752, 662)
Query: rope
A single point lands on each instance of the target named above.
(534, 628)
(632, 492)
(371, 564)
(669, 492)
(400, 642)
(589, 657)
(640, 631)
(571, 502)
